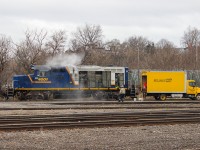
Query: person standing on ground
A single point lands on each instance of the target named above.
(144, 90)
(122, 93)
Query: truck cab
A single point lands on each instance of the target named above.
(193, 92)
(163, 84)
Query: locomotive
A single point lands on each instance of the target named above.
(68, 81)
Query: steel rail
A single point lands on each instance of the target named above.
(66, 102)
(100, 107)
(97, 119)
(125, 102)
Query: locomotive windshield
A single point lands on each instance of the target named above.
(58, 70)
(42, 73)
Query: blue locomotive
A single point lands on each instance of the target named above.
(46, 81)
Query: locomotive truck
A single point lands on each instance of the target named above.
(163, 84)
(65, 81)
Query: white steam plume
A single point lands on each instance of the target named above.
(65, 60)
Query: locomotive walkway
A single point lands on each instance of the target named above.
(21, 122)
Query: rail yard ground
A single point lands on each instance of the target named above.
(148, 136)
(164, 137)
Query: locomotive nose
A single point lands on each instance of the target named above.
(16, 81)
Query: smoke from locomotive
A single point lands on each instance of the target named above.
(63, 60)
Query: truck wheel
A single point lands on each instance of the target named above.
(198, 97)
(163, 97)
(157, 97)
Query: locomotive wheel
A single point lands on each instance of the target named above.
(46, 97)
(21, 96)
(98, 95)
(163, 97)
(56, 95)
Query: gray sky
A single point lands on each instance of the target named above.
(153, 19)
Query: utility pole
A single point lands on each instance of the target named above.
(196, 55)
(138, 84)
(138, 65)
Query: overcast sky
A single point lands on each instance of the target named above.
(120, 19)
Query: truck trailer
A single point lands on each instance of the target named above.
(163, 84)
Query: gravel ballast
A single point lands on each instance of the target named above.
(154, 137)
(180, 136)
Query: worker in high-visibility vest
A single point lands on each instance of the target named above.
(144, 89)
(122, 93)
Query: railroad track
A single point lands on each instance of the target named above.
(86, 102)
(125, 102)
(100, 107)
(17, 122)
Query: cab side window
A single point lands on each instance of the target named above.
(192, 84)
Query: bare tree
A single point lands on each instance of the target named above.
(138, 42)
(166, 56)
(57, 42)
(85, 40)
(115, 53)
(191, 37)
(113, 45)
(5, 50)
(30, 51)
(191, 43)
(137, 55)
(89, 36)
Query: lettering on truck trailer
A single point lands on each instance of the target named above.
(163, 80)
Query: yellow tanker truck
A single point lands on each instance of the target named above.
(163, 84)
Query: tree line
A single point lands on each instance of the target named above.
(137, 52)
